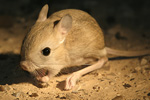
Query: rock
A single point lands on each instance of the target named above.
(34, 95)
(148, 94)
(144, 71)
(95, 74)
(138, 68)
(4, 88)
(118, 94)
(61, 96)
(126, 85)
(106, 88)
(111, 83)
(147, 67)
(42, 85)
(120, 36)
(146, 98)
(144, 61)
(132, 79)
(119, 73)
(130, 75)
(18, 94)
(118, 98)
(29, 93)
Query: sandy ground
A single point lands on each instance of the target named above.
(120, 79)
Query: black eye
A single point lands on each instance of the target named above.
(46, 51)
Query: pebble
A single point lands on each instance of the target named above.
(29, 93)
(130, 75)
(119, 73)
(118, 94)
(144, 71)
(138, 68)
(146, 98)
(126, 85)
(10, 40)
(43, 85)
(61, 96)
(148, 94)
(34, 95)
(95, 74)
(111, 83)
(4, 88)
(132, 79)
(146, 67)
(106, 88)
(118, 98)
(18, 94)
(144, 61)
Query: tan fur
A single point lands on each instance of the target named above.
(127, 53)
(85, 39)
(82, 44)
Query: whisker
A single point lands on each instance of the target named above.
(35, 73)
(41, 72)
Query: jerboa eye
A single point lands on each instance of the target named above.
(46, 51)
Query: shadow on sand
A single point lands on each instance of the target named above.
(10, 71)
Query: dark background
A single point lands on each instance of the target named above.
(126, 26)
(134, 14)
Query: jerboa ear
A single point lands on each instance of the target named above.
(64, 26)
(43, 14)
